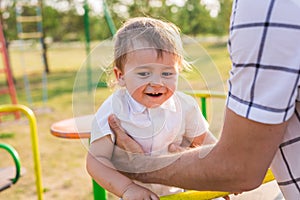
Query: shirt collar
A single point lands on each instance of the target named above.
(169, 104)
(136, 107)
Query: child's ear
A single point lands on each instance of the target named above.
(119, 76)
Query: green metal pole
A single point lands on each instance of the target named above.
(108, 19)
(87, 45)
(203, 106)
(99, 192)
(16, 159)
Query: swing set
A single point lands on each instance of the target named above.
(112, 29)
(29, 22)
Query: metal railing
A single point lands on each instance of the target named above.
(203, 95)
(34, 141)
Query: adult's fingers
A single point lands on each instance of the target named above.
(123, 140)
(173, 148)
(115, 125)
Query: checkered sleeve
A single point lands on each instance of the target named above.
(264, 46)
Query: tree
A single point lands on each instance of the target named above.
(221, 23)
(8, 20)
(66, 23)
(193, 18)
(51, 27)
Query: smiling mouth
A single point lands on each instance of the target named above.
(154, 94)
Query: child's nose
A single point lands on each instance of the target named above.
(156, 81)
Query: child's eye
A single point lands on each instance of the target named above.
(167, 74)
(144, 74)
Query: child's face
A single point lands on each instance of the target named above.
(150, 79)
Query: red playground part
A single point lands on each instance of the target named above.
(10, 87)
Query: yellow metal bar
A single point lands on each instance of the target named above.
(207, 195)
(34, 140)
(269, 177)
(205, 93)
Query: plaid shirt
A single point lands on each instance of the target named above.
(264, 84)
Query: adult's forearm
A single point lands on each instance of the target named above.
(189, 171)
(237, 163)
(195, 173)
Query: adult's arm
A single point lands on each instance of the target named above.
(237, 163)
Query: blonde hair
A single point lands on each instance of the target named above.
(144, 33)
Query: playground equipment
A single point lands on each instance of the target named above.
(10, 175)
(34, 141)
(108, 19)
(29, 15)
(112, 29)
(204, 95)
(206, 195)
(6, 70)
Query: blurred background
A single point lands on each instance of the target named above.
(63, 19)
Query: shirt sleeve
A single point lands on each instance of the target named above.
(100, 126)
(195, 122)
(268, 101)
(264, 80)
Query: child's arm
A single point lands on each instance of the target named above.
(104, 173)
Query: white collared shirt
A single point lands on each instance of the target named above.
(153, 128)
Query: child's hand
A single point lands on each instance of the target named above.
(136, 192)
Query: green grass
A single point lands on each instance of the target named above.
(63, 160)
(4, 135)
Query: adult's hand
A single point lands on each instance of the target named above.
(174, 148)
(129, 157)
(123, 140)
